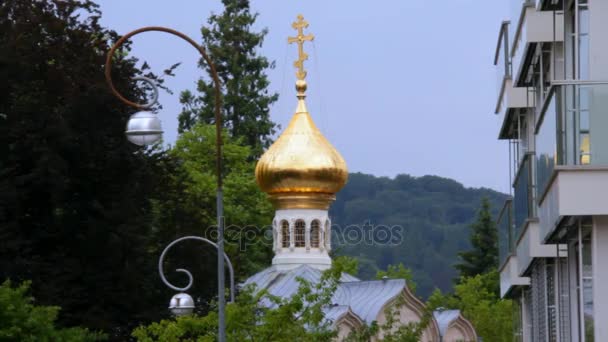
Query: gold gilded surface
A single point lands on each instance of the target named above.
(301, 170)
(301, 160)
(300, 25)
(312, 200)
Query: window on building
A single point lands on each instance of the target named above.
(300, 233)
(577, 38)
(285, 233)
(552, 320)
(581, 281)
(585, 283)
(518, 321)
(528, 325)
(564, 299)
(315, 232)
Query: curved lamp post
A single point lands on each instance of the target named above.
(190, 279)
(144, 128)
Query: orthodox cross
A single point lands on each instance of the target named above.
(300, 25)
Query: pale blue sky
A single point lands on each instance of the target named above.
(397, 86)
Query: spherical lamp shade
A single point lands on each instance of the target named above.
(181, 304)
(144, 128)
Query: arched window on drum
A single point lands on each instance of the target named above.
(315, 233)
(300, 233)
(284, 234)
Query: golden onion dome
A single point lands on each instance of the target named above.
(301, 170)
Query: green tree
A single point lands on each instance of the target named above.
(483, 257)
(350, 265)
(21, 320)
(73, 191)
(233, 47)
(478, 301)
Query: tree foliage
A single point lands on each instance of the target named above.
(232, 45)
(74, 210)
(21, 320)
(350, 265)
(483, 257)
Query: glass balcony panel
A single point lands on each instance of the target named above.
(598, 125)
(546, 145)
(502, 66)
(518, 54)
(515, 8)
(502, 70)
(522, 201)
(505, 238)
(576, 135)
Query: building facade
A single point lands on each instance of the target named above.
(552, 63)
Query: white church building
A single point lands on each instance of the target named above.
(301, 173)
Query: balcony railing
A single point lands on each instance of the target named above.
(515, 13)
(572, 128)
(531, 27)
(523, 201)
(505, 232)
(502, 62)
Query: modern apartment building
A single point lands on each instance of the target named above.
(552, 62)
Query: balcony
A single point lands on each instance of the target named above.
(572, 153)
(530, 246)
(513, 97)
(509, 97)
(533, 27)
(509, 277)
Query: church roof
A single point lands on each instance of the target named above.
(284, 283)
(335, 312)
(444, 318)
(368, 298)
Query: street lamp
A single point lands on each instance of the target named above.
(144, 128)
(181, 304)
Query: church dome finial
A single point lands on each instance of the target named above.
(301, 170)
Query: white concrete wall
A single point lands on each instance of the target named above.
(531, 246)
(574, 192)
(598, 39)
(599, 249)
(509, 276)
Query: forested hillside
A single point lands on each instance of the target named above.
(433, 212)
